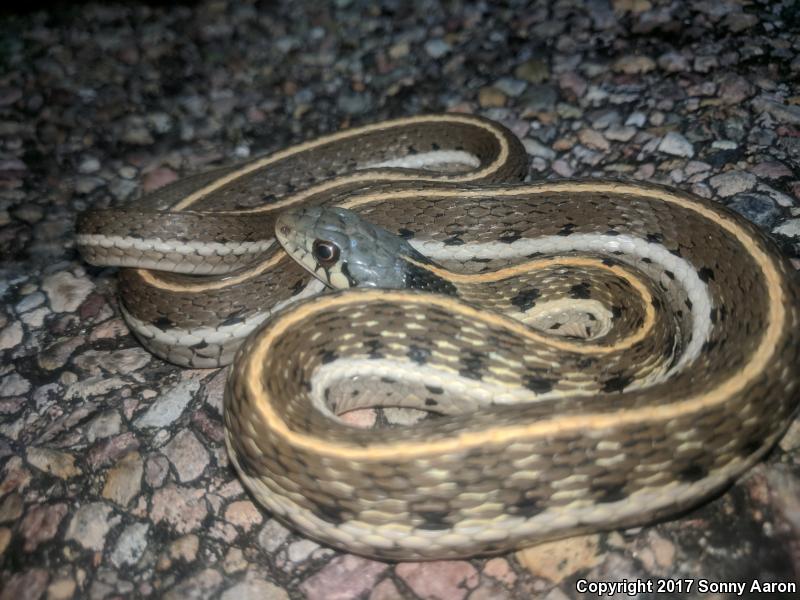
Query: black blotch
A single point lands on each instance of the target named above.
(329, 513)
(608, 493)
(412, 150)
(430, 402)
(646, 260)
(435, 146)
(418, 354)
(676, 252)
(616, 312)
(669, 274)
(434, 520)
(555, 326)
(689, 304)
(388, 380)
(617, 383)
(199, 345)
(751, 446)
(374, 347)
(609, 262)
(693, 472)
(233, 319)
(723, 312)
(585, 363)
(406, 234)
(709, 345)
(453, 241)
(526, 507)
(705, 274)
(510, 238)
(472, 365)
(328, 356)
(580, 290)
(351, 281)
(163, 323)
(525, 299)
(612, 232)
(417, 278)
(566, 229)
(434, 389)
(713, 315)
(538, 385)
(655, 302)
(298, 286)
(656, 238)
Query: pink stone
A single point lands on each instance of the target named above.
(158, 178)
(442, 580)
(40, 524)
(343, 578)
(498, 568)
(181, 507)
(243, 514)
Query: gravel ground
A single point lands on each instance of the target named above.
(114, 481)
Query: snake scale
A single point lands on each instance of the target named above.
(600, 354)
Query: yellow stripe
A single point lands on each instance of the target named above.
(739, 379)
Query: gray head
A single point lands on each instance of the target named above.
(343, 250)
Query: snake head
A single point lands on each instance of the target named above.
(343, 250)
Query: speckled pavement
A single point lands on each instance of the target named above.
(114, 481)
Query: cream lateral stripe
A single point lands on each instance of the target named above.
(343, 135)
(171, 245)
(760, 358)
(577, 347)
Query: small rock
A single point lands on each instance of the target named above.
(676, 144)
(558, 560)
(124, 480)
(10, 336)
(534, 70)
(437, 48)
(255, 589)
(272, 535)
(185, 548)
(90, 524)
(540, 98)
(449, 579)
(704, 64)
(183, 508)
(65, 291)
(187, 455)
(103, 425)
(785, 113)
(299, 551)
(26, 585)
(136, 132)
(158, 178)
(491, 97)
(535, 148)
(636, 119)
(169, 406)
(593, 139)
(734, 89)
(41, 524)
(574, 83)
(499, 569)
(354, 103)
(510, 86)
(131, 544)
(200, 585)
(62, 588)
(732, 182)
(634, 64)
(86, 185)
(673, 62)
(11, 508)
(765, 170)
(620, 133)
(243, 514)
(55, 462)
(739, 21)
(343, 578)
(29, 302)
(88, 165)
(790, 228)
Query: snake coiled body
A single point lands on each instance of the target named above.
(676, 373)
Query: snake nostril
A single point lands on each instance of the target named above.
(285, 229)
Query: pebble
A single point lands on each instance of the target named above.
(557, 560)
(735, 89)
(535, 148)
(55, 462)
(534, 70)
(131, 545)
(491, 97)
(634, 64)
(785, 113)
(11, 336)
(88, 165)
(169, 406)
(41, 524)
(673, 62)
(676, 144)
(187, 455)
(156, 178)
(182, 508)
(704, 64)
(65, 291)
(89, 525)
(618, 133)
(255, 589)
(445, 580)
(732, 182)
(124, 480)
(510, 86)
(272, 536)
(343, 578)
(437, 48)
(540, 98)
(593, 139)
(636, 119)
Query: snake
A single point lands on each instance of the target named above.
(587, 355)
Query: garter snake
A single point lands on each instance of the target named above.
(602, 354)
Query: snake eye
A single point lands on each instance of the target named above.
(325, 252)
